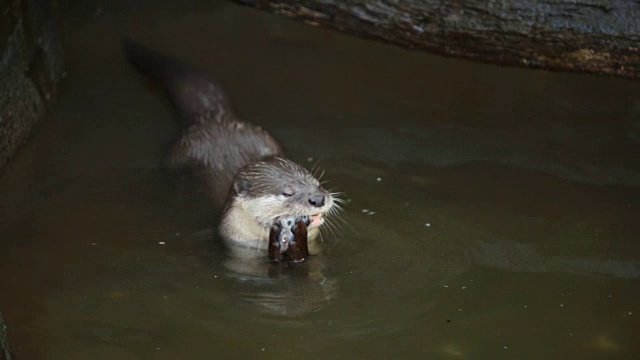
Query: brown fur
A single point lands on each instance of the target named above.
(241, 165)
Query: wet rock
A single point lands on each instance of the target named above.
(30, 69)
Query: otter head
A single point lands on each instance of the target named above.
(264, 191)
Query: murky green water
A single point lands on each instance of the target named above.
(493, 212)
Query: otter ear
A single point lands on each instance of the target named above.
(241, 186)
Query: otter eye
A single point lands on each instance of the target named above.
(288, 192)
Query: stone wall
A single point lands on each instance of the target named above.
(30, 68)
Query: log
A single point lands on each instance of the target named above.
(588, 36)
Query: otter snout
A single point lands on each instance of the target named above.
(316, 200)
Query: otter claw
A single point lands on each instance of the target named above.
(288, 239)
(306, 219)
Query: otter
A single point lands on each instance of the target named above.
(243, 168)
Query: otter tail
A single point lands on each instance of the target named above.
(195, 94)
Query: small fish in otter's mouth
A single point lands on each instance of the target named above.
(288, 239)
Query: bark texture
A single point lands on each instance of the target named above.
(591, 36)
(30, 68)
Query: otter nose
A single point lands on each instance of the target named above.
(316, 200)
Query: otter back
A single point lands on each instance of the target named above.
(215, 143)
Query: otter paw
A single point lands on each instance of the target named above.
(288, 239)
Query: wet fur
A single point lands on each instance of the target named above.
(256, 199)
(242, 166)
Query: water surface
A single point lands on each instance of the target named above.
(492, 211)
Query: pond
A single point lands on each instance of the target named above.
(492, 212)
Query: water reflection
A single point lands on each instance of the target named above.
(281, 289)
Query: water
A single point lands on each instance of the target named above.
(492, 211)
